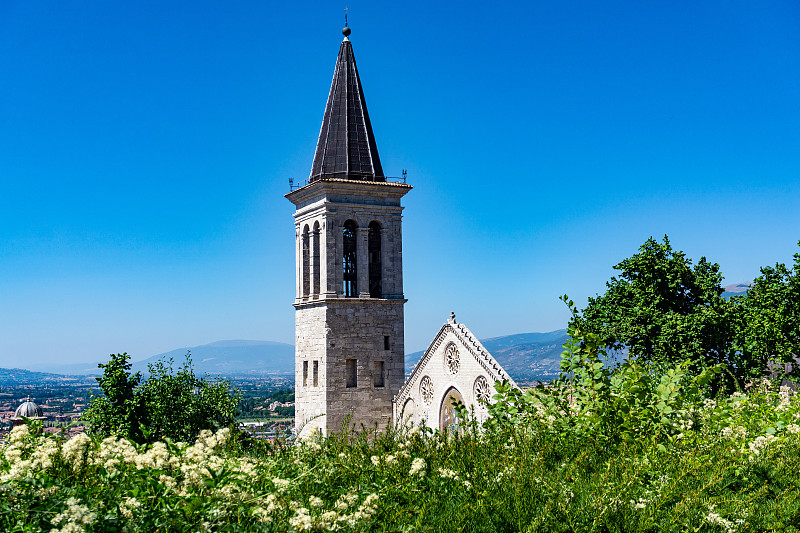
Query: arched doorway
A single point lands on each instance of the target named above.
(448, 418)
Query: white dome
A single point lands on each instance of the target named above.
(28, 409)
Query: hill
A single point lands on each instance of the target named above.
(20, 378)
(735, 289)
(232, 357)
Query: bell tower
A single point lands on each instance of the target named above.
(349, 350)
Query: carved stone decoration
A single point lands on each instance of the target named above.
(451, 359)
(426, 390)
(482, 391)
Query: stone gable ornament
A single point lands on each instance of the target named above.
(426, 390)
(482, 391)
(452, 359)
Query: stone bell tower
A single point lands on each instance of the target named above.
(349, 352)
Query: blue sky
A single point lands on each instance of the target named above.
(145, 149)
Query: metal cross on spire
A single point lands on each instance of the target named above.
(346, 29)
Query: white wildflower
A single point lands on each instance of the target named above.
(302, 520)
(312, 445)
(367, 508)
(156, 457)
(417, 467)
(281, 484)
(734, 432)
(73, 518)
(444, 472)
(75, 450)
(262, 515)
(758, 444)
(128, 506)
(315, 502)
(13, 453)
(346, 501)
(640, 504)
(375, 460)
(328, 519)
(715, 519)
(18, 434)
(273, 504)
(167, 481)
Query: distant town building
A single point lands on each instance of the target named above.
(28, 410)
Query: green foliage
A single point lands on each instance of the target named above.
(663, 309)
(120, 410)
(173, 405)
(769, 316)
(630, 403)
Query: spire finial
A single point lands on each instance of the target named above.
(346, 29)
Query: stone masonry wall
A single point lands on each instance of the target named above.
(309, 347)
(358, 332)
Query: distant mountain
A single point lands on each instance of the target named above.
(526, 357)
(234, 357)
(736, 289)
(18, 377)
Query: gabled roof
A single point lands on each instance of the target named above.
(346, 147)
(474, 347)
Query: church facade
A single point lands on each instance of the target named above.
(349, 303)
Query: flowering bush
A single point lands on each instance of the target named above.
(603, 451)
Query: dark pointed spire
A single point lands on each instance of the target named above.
(346, 147)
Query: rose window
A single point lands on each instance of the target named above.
(451, 359)
(426, 390)
(482, 390)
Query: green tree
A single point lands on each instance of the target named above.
(180, 404)
(768, 317)
(176, 405)
(119, 410)
(663, 309)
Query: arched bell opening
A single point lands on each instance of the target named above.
(349, 259)
(306, 288)
(315, 260)
(374, 254)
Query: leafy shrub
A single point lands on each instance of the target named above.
(175, 405)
